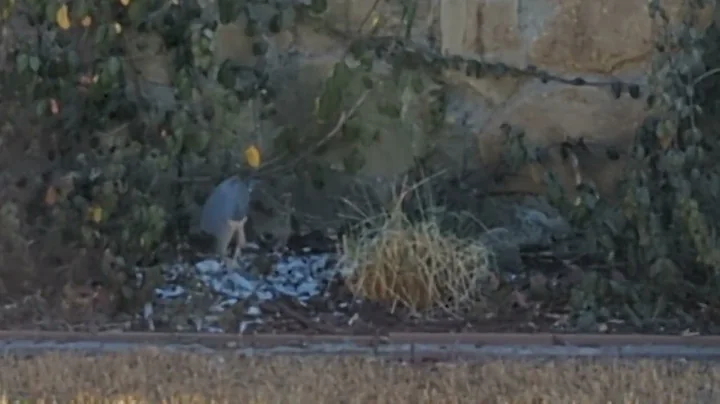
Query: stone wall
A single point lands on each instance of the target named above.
(597, 40)
(600, 40)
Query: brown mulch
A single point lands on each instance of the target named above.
(90, 308)
(152, 376)
(283, 316)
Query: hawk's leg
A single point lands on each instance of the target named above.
(223, 241)
(240, 241)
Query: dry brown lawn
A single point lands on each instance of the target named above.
(155, 377)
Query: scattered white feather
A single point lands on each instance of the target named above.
(300, 277)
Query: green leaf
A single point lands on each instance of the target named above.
(137, 12)
(79, 9)
(22, 62)
(417, 85)
(35, 63)
(367, 61)
(331, 98)
(41, 107)
(51, 9)
(389, 110)
(318, 6)
(286, 18)
(197, 141)
(114, 66)
(101, 34)
(229, 10)
(73, 60)
(367, 82)
(353, 161)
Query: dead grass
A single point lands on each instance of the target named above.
(154, 377)
(414, 262)
(414, 265)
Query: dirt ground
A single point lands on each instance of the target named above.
(152, 376)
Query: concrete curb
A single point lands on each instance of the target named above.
(408, 346)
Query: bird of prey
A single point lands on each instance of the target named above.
(225, 212)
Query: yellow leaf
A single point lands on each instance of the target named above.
(375, 21)
(95, 213)
(7, 10)
(86, 21)
(51, 196)
(62, 18)
(118, 27)
(54, 106)
(252, 155)
(125, 2)
(665, 141)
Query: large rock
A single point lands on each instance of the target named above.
(600, 40)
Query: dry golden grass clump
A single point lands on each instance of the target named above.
(414, 263)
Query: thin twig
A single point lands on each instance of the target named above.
(367, 17)
(344, 116)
